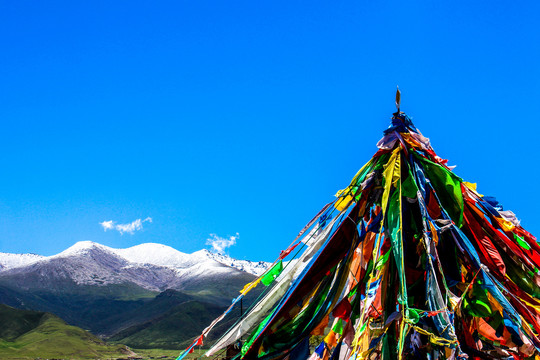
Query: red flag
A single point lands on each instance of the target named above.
(284, 253)
(343, 309)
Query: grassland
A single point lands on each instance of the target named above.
(32, 334)
(27, 334)
(167, 354)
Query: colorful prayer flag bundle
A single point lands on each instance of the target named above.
(408, 262)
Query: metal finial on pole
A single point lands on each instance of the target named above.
(398, 99)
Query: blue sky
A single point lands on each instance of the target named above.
(226, 117)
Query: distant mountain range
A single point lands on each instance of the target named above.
(149, 295)
(149, 254)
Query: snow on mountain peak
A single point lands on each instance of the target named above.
(155, 254)
(143, 255)
(82, 247)
(10, 261)
(253, 267)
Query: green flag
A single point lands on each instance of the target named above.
(521, 241)
(273, 273)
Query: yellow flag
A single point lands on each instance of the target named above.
(247, 288)
(505, 224)
(342, 203)
(391, 175)
(473, 187)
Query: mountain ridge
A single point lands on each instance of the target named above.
(146, 253)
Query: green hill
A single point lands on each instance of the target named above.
(174, 318)
(27, 334)
(106, 310)
(174, 329)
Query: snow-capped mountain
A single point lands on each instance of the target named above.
(163, 255)
(149, 253)
(152, 266)
(155, 254)
(256, 268)
(109, 290)
(9, 261)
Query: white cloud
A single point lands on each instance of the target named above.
(219, 244)
(107, 225)
(129, 228)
